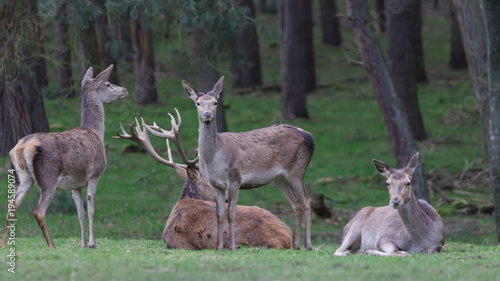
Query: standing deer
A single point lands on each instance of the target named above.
(408, 225)
(192, 221)
(230, 161)
(69, 160)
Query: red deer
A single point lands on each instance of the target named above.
(230, 161)
(408, 225)
(68, 160)
(192, 221)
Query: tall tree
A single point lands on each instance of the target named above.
(401, 52)
(330, 26)
(395, 118)
(21, 109)
(40, 67)
(491, 16)
(297, 56)
(457, 59)
(415, 33)
(381, 16)
(245, 63)
(63, 51)
(104, 39)
(83, 15)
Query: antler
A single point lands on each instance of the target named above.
(172, 135)
(141, 137)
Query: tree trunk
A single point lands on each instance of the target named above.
(103, 38)
(144, 63)
(297, 56)
(63, 51)
(402, 64)
(88, 48)
(491, 14)
(40, 67)
(207, 76)
(457, 54)
(381, 16)
(123, 35)
(473, 34)
(246, 57)
(330, 27)
(22, 110)
(415, 33)
(398, 127)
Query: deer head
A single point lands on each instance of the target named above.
(398, 181)
(100, 88)
(206, 103)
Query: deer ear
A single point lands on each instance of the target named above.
(88, 76)
(217, 88)
(382, 168)
(104, 75)
(181, 172)
(412, 164)
(191, 92)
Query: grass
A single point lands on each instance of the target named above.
(135, 194)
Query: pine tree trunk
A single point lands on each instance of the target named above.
(396, 121)
(491, 13)
(402, 64)
(473, 34)
(22, 110)
(297, 56)
(207, 76)
(330, 27)
(63, 52)
(245, 64)
(103, 38)
(457, 54)
(144, 63)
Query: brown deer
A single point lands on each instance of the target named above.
(408, 225)
(192, 221)
(68, 160)
(230, 161)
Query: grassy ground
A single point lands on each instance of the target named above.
(135, 195)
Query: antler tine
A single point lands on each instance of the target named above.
(141, 137)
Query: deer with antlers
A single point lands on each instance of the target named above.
(192, 221)
(230, 161)
(407, 225)
(68, 160)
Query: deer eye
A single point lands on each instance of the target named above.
(408, 183)
(108, 84)
(215, 103)
(388, 184)
(197, 104)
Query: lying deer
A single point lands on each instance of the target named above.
(192, 221)
(230, 161)
(69, 160)
(408, 225)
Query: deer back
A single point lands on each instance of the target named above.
(192, 224)
(69, 158)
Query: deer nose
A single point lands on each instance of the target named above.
(207, 115)
(395, 203)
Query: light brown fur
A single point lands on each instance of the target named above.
(68, 160)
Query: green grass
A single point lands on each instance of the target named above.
(135, 194)
(138, 259)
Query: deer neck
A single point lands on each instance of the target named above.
(207, 141)
(190, 190)
(417, 222)
(93, 114)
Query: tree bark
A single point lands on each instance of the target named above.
(63, 52)
(402, 64)
(207, 75)
(144, 63)
(22, 110)
(246, 57)
(88, 50)
(491, 16)
(415, 34)
(398, 127)
(297, 56)
(457, 54)
(40, 67)
(473, 34)
(330, 27)
(381, 16)
(103, 38)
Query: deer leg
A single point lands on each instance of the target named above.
(297, 209)
(22, 185)
(46, 196)
(220, 206)
(91, 190)
(231, 213)
(77, 197)
(297, 185)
